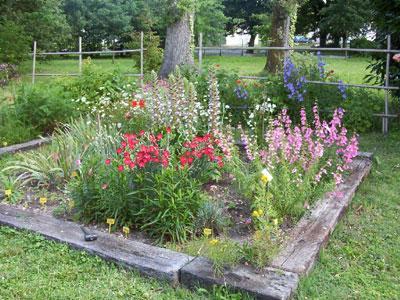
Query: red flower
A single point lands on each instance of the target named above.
(120, 168)
(238, 81)
(108, 161)
(119, 150)
(159, 136)
(141, 132)
(141, 103)
(168, 130)
(134, 103)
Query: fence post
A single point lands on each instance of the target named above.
(242, 48)
(385, 119)
(34, 62)
(80, 54)
(200, 50)
(220, 49)
(141, 58)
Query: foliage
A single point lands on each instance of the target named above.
(387, 22)
(344, 18)
(14, 45)
(104, 94)
(152, 56)
(299, 157)
(43, 107)
(142, 185)
(28, 20)
(97, 21)
(52, 166)
(210, 20)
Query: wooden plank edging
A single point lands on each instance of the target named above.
(24, 146)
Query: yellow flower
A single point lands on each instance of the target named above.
(207, 231)
(255, 214)
(266, 176)
(5, 144)
(275, 222)
(42, 200)
(7, 192)
(260, 212)
(213, 242)
(74, 174)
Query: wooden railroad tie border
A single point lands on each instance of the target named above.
(277, 281)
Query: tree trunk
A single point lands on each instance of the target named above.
(322, 39)
(251, 42)
(280, 35)
(178, 42)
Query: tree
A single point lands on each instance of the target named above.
(310, 17)
(37, 20)
(210, 20)
(245, 16)
(99, 21)
(386, 21)
(284, 13)
(345, 18)
(179, 39)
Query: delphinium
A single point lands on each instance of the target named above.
(293, 81)
(321, 65)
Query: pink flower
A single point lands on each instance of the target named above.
(120, 168)
(108, 161)
(396, 57)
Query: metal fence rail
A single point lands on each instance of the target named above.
(386, 87)
(80, 53)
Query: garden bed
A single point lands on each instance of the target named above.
(277, 281)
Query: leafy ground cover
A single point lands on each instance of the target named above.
(361, 261)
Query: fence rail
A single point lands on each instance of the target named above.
(386, 87)
(80, 53)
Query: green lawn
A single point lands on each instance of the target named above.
(362, 259)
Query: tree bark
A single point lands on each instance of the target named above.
(251, 42)
(178, 42)
(322, 39)
(280, 35)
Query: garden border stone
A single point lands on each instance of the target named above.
(277, 281)
(24, 146)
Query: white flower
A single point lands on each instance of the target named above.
(266, 176)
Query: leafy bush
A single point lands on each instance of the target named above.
(14, 43)
(105, 94)
(42, 107)
(152, 56)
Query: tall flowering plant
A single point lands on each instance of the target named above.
(302, 158)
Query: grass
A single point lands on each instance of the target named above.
(361, 261)
(34, 268)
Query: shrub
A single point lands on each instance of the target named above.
(152, 56)
(104, 94)
(14, 43)
(43, 107)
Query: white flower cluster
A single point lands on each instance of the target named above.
(105, 101)
(174, 104)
